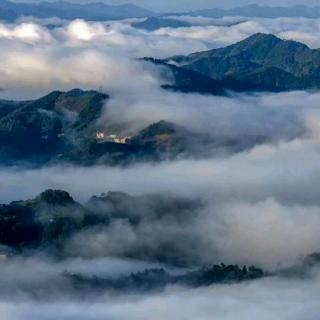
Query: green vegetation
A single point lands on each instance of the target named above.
(261, 62)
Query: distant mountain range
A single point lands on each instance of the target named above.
(262, 62)
(154, 23)
(99, 11)
(258, 11)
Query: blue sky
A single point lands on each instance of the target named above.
(183, 5)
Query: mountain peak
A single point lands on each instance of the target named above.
(268, 42)
(160, 127)
(56, 197)
(261, 62)
(258, 40)
(260, 36)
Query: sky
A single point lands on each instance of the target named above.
(185, 5)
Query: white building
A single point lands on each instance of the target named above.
(103, 137)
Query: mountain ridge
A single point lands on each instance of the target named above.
(260, 11)
(261, 62)
(61, 128)
(96, 11)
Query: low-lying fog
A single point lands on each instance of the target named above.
(261, 206)
(268, 299)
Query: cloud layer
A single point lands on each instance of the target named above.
(267, 299)
(37, 58)
(260, 206)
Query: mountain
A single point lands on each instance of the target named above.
(97, 11)
(62, 128)
(7, 106)
(42, 128)
(189, 81)
(156, 142)
(154, 23)
(156, 280)
(7, 13)
(261, 62)
(51, 219)
(43, 221)
(55, 226)
(260, 12)
(47, 223)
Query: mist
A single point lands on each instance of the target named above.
(257, 204)
(185, 5)
(265, 299)
(36, 60)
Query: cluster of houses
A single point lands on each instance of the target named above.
(103, 137)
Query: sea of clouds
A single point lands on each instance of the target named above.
(261, 205)
(36, 58)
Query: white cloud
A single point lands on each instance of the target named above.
(36, 60)
(262, 205)
(28, 32)
(269, 299)
(298, 29)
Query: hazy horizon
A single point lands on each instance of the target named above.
(185, 5)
